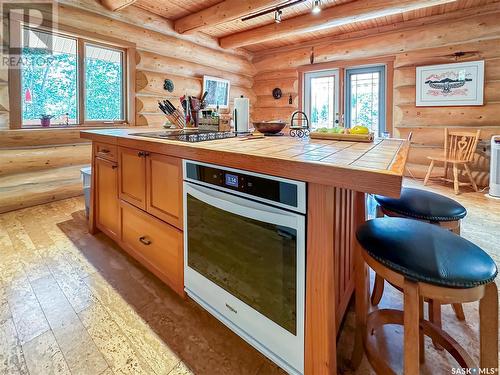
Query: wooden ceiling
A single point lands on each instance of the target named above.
(175, 10)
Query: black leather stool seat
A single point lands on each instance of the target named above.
(426, 253)
(423, 205)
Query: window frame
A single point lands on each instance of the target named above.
(308, 76)
(388, 61)
(128, 71)
(382, 70)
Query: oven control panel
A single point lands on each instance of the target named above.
(287, 193)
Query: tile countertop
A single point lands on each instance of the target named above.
(367, 167)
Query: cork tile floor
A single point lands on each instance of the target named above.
(72, 303)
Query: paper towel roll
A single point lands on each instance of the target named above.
(241, 114)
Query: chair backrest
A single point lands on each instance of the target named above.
(460, 145)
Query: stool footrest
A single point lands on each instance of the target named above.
(379, 318)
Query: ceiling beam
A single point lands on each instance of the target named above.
(356, 11)
(224, 11)
(115, 5)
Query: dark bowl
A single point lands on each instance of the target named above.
(270, 127)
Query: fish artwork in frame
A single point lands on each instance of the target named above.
(457, 84)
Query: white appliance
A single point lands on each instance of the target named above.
(241, 114)
(495, 167)
(244, 256)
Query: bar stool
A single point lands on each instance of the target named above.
(425, 261)
(425, 206)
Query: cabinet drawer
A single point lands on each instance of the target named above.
(156, 244)
(106, 151)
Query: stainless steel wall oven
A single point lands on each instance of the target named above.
(245, 256)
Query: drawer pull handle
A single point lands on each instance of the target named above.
(145, 241)
(142, 154)
(104, 151)
(114, 166)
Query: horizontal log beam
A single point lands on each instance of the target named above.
(169, 65)
(224, 11)
(356, 11)
(409, 115)
(32, 159)
(32, 188)
(115, 5)
(154, 41)
(483, 27)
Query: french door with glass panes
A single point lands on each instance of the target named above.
(365, 98)
(321, 98)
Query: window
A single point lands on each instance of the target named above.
(76, 82)
(365, 98)
(49, 80)
(103, 84)
(321, 98)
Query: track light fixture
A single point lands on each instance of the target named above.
(277, 16)
(316, 6)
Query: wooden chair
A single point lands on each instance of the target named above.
(459, 149)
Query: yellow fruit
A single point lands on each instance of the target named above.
(360, 130)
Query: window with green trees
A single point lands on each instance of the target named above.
(53, 93)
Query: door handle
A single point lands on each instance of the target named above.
(114, 166)
(145, 241)
(142, 154)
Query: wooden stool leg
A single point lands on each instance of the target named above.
(472, 182)
(445, 170)
(488, 327)
(429, 171)
(411, 328)
(459, 311)
(435, 318)
(421, 337)
(456, 186)
(378, 290)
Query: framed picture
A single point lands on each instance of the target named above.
(456, 84)
(218, 91)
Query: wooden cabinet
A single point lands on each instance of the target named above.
(132, 176)
(155, 244)
(106, 151)
(106, 197)
(164, 188)
(138, 203)
(152, 182)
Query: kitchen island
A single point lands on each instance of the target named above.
(137, 188)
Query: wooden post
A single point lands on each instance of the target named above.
(488, 327)
(362, 283)
(320, 335)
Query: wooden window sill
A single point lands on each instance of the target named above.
(71, 127)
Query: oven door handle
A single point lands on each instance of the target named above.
(243, 207)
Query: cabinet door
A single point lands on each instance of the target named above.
(132, 176)
(164, 188)
(107, 205)
(157, 245)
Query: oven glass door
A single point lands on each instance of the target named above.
(252, 251)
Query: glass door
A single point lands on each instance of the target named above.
(321, 98)
(365, 98)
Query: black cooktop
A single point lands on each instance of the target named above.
(187, 135)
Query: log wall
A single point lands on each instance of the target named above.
(424, 45)
(42, 165)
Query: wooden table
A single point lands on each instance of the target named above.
(338, 176)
